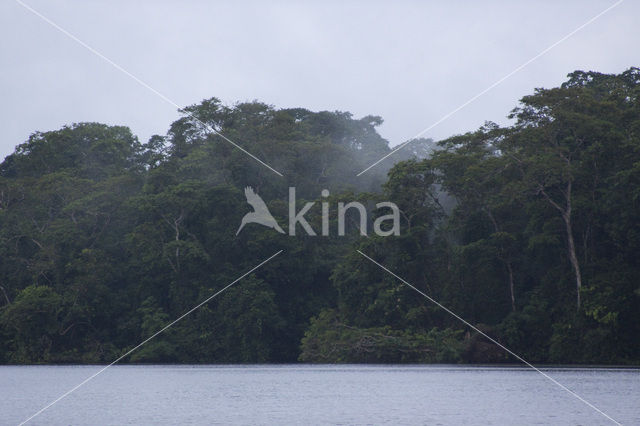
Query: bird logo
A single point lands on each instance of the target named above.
(260, 213)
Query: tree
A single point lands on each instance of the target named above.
(473, 170)
(33, 321)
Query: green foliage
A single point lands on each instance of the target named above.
(329, 340)
(33, 321)
(161, 349)
(545, 215)
(530, 232)
(104, 240)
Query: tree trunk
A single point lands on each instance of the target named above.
(5, 295)
(571, 245)
(572, 256)
(505, 260)
(513, 297)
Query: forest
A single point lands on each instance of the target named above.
(529, 231)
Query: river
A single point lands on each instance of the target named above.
(318, 394)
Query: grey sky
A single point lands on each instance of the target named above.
(409, 62)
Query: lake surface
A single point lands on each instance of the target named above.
(311, 394)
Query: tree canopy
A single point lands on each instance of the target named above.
(531, 232)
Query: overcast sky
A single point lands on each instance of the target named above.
(409, 62)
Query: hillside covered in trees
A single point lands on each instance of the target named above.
(531, 232)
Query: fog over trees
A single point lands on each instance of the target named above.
(531, 232)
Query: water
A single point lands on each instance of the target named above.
(309, 394)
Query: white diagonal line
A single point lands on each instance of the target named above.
(472, 99)
(148, 339)
(527, 363)
(141, 82)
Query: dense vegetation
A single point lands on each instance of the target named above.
(530, 232)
